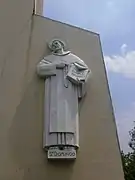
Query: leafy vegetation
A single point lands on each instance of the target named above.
(128, 160)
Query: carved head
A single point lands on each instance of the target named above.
(57, 47)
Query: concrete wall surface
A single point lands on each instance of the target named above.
(15, 26)
(21, 106)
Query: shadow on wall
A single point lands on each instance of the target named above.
(25, 138)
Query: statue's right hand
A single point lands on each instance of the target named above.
(60, 65)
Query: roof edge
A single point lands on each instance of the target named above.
(70, 25)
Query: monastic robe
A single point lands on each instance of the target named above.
(65, 77)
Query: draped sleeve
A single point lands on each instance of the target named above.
(46, 68)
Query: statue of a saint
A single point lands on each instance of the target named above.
(65, 77)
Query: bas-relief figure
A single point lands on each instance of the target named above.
(65, 77)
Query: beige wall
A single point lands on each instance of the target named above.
(15, 27)
(23, 44)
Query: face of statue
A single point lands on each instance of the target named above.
(57, 47)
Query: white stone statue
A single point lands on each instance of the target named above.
(65, 77)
